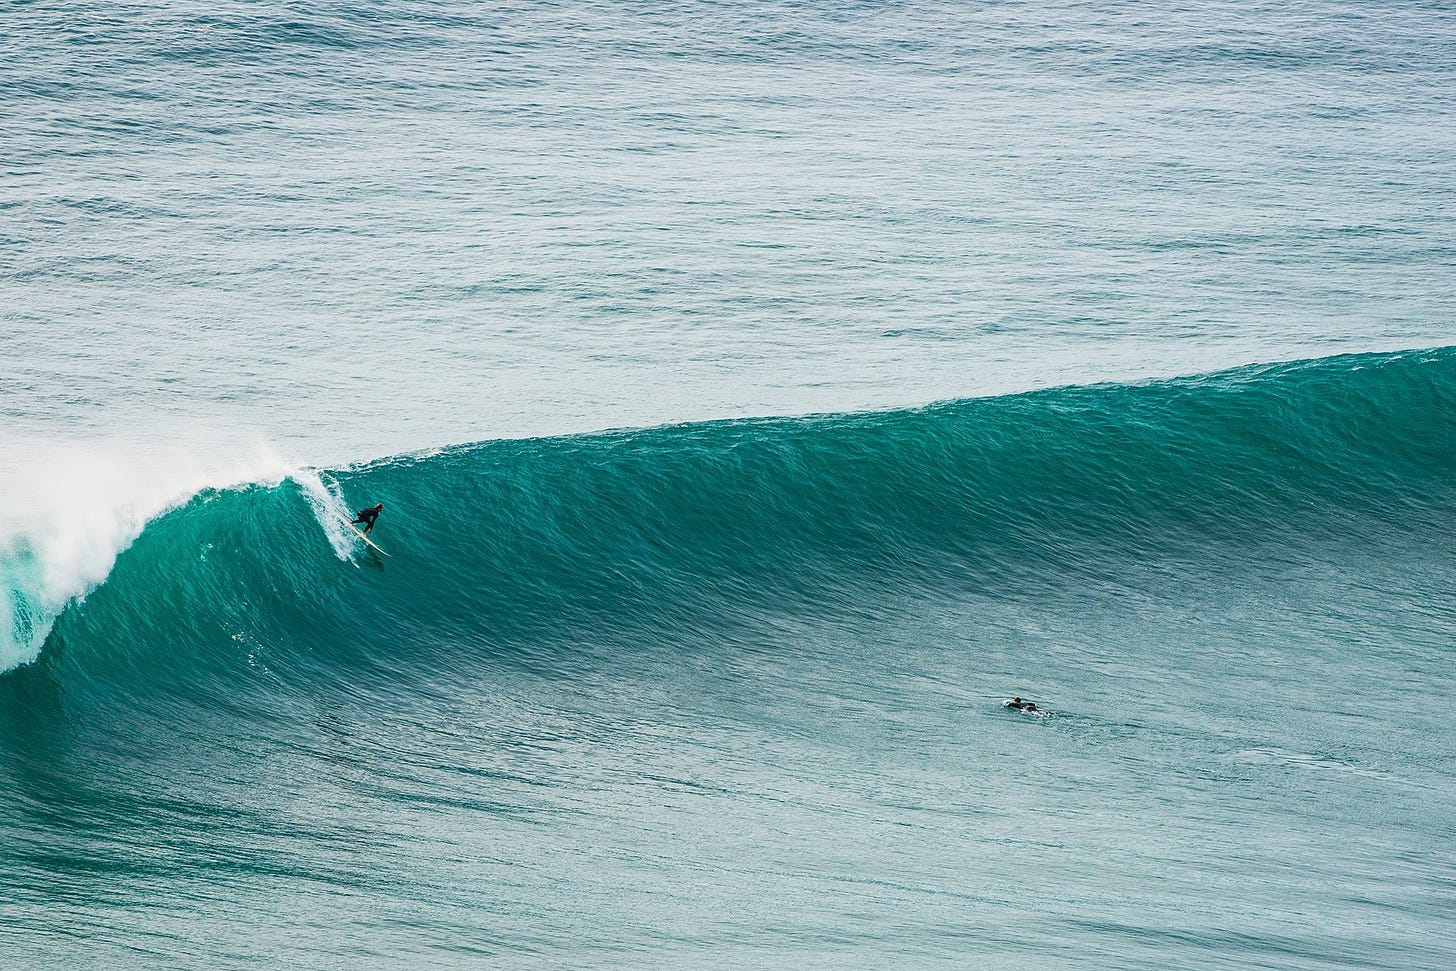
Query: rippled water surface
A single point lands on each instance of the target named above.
(727, 692)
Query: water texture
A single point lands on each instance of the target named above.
(760, 394)
(362, 229)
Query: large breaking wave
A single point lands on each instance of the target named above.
(609, 541)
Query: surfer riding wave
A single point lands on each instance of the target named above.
(368, 517)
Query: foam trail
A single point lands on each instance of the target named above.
(70, 509)
(327, 502)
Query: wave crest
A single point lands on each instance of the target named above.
(600, 539)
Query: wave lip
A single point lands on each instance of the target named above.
(71, 509)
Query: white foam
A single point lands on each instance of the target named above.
(329, 508)
(67, 511)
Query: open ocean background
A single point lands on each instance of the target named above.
(760, 393)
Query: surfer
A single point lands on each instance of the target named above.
(1020, 705)
(368, 516)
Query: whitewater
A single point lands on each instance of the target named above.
(760, 394)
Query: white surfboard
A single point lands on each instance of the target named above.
(360, 533)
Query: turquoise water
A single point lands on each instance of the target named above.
(1094, 354)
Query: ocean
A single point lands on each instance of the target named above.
(760, 394)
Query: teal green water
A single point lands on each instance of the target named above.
(730, 693)
(761, 392)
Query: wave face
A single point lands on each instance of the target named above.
(645, 604)
(509, 546)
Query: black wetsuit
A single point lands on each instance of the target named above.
(367, 516)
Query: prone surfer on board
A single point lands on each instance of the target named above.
(1020, 705)
(367, 517)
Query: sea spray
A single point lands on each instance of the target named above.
(70, 510)
(329, 507)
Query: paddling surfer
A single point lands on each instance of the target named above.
(368, 516)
